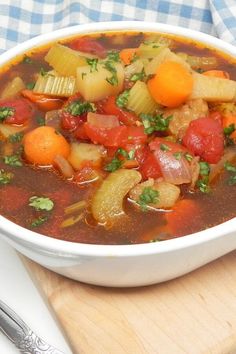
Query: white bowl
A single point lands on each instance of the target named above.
(128, 265)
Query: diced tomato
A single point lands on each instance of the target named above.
(169, 145)
(68, 121)
(22, 110)
(13, 198)
(109, 107)
(204, 137)
(117, 136)
(89, 45)
(43, 102)
(102, 120)
(150, 167)
(80, 133)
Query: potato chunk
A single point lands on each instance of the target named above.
(93, 85)
(168, 193)
(107, 203)
(81, 153)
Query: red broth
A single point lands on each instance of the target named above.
(201, 203)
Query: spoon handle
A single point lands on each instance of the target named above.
(21, 335)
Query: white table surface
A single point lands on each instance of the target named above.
(18, 291)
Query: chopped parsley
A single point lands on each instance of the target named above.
(188, 157)
(232, 180)
(204, 168)
(229, 167)
(148, 196)
(113, 79)
(114, 165)
(178, 155)
(79, 107)
(40, 121)
(6, 112)
(43, 72)
(12, 160)
(41, 203)
(229, 130)
(113, 55)
(15, 138)
(27, 60)
(155, 123)
(39, 221)
(5, 177)
(165, 147)
(203, 185)
(138, 76)
(93, 63)
(30, 85)
(122, 99)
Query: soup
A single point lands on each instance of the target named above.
(118, 138)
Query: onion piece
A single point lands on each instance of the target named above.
(175, 171)
(102, 120)
(64, 166)
(216, 169)
(75, 207)
(53, 119)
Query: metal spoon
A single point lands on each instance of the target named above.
(21, 335)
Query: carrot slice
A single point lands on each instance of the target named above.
(171, 85)
(217, 73)
(126, 55)
(44, 102)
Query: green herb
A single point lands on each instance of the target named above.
(83, 75)
(232, 180)
(131, 154)
(114, 165)
(134, 58)
(199, 70)
(27, 60)
(165, 147)
(155, 123)
(188, 157)
(122, 99)
(229, 167)
(6, 112)
(204, 168)
(12, 160)
(39, 221)
(178, 155)
(148, 196)
(79, 107)
(203, 186)
(43, 72)
(40, 121)
(30, 85)
(15, 138)
(229, 130)
(113, 56)
(5, 177)
(41, 203)
(113, 80)
(93, 63)
(122, 152)
(138, 76)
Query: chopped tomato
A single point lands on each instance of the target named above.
(80, 133)
(43, 102)
(150, 167)
(204, 137)
(117, 136)
(21, 110)
(165, 145)
(89, 45)
(109, 106)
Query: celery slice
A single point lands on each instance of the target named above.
(55, 85)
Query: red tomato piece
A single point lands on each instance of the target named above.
(89, 45)
(109, 107)
(80, 133)
(22, 110)
(204, 137)
(150, 167)
(173, 147)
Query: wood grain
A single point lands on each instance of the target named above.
(194, 314)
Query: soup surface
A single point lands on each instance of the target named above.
(118, 138)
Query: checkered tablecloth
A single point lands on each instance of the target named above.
(23, 19)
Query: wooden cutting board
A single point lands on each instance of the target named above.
(194, 314)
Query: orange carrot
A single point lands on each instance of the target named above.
(217, 73)
(127, 54)
(130, 164)
(227, 120)
(171, 85)
(44, 102)
(43, 144)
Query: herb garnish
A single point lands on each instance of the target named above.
(232, 180)
(178, 155)
(188, 157)
(15, 138)
(203, 182)
(5, 177)
(43, 72)
(41, 203)
(79, 107)
(155, 123)
(116, 162)
(232, 169)
(204, 168)
(165, 147)
(27, 60)
(138, 76)
(227, 132)
(148, 196)
(109, 65)
(113, 55)
(6, 112)
(30, 85)
(40, 121)
(203, 186)
(39, 221)
(122, 99)
(93, 63)
(12, 160)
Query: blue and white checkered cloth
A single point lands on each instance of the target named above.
(23, 19)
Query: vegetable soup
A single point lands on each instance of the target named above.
(118, 138)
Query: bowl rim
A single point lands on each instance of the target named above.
(74, 249)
